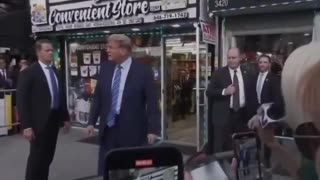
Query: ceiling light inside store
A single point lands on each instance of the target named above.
(290, 43)
(79, 33)
(173, 40)
(306, 34)
(135, 29)
(176, 25)
(106, 31)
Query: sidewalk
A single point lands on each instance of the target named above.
(74, 160)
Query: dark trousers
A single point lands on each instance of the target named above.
(42, 150)
(108, 142)
(222, 134)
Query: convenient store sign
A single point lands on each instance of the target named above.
(55, 16)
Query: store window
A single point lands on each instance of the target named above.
(277, 46)
(85, 55)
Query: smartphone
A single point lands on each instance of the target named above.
(247, 153)
(147, 163)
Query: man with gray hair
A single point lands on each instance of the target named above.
(126, 101)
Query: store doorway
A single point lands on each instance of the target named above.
(180, 82)
(186, 78)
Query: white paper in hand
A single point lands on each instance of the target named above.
(264, 118)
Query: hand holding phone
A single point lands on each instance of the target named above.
(146, 163)
(246, 149)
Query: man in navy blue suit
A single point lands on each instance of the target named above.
(126, 101)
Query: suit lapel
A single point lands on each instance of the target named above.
(129, 82)
(245, 77)
(59, 79)
(109, 76)
(43, 78)
(265, 83)
(228, 76)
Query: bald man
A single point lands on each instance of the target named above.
(229, 91)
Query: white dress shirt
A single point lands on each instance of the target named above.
(4, 73)
(47, 74)
(241, 88)
(125, 67)
(260, 83)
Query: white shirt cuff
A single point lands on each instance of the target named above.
(223, 92)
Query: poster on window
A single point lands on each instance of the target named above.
(84, 65)
(209, 32)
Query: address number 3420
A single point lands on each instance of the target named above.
(221, 3)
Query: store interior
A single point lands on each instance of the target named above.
(278, 46)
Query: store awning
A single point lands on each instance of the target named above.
(237, 7)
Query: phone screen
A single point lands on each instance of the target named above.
(146, 173)
(247, 155)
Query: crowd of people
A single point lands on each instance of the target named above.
(10, 70)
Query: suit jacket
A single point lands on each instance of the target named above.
(4, 83)
(34, 99)
(139, 112)
(220, 80)
(270, 93)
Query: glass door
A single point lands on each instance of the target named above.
(180, 82)
(203, 70)
(185, 80)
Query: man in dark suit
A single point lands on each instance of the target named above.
(229, 91)
(5, 75)
(42, 107)
(126, 101)
(268, 90)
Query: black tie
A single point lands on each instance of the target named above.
(236, 95)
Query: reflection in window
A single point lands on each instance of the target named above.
(277, 46)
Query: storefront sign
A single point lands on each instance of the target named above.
(209, 32)
(51, 15)
(233, 5)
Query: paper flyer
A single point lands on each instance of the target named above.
(74, 60)
(84, 71)
(96, 57)
(74, 72)
(92, 71)
(86, 58)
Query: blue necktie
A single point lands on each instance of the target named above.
(55, 89)
(115, 94)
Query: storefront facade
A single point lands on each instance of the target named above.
(273, 27)
(166, 35)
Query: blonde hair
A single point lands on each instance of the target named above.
(123, 40)
(309, 93)
(298, 84)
